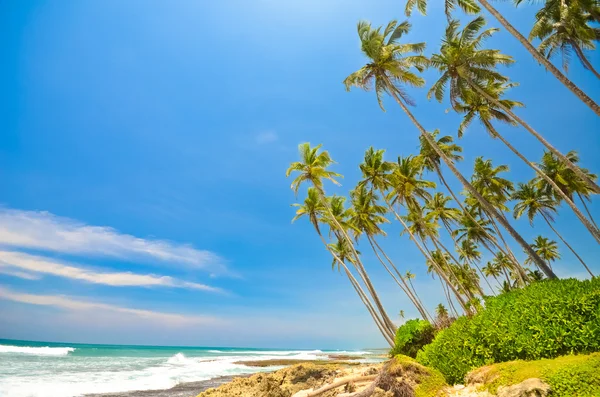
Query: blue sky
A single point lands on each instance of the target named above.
(142, 160)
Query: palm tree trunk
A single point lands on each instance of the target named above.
(414, 290)
(462, 207)
(586, 208)
(424, 250)
(360, 267)
(592, 185)
(437, 243)
(415, 298)
(403, 285)
(567, 244)
(586, 63)
(448, 297)
(484, 277)
(540, 58)
(363, 297)
(485, 204)
(586, 222)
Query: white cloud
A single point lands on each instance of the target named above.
(44, 231)
(41, 265)
(266, 137)
(75, 305)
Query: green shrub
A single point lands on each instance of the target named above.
(544, 320)
(411, 337)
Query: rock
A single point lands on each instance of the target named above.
(532, 387)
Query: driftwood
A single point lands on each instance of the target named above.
(341, 382)
(383, 380)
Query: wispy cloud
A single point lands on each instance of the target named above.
(266, 137)
(23, 265)
(76, 305)
(44, 231)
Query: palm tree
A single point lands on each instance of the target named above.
(461, 61)
(314, 209)
(468, 252)
(469, 7)
(534, 201)
(491, 269)
(547, 249)
(464, 65)
(367, 216)
(312, 168)
(563, 28)
(388, 71)
(497, 190)
(568, 182)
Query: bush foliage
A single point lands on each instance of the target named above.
(411, 337)
(544, 320)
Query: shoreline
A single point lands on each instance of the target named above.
(187, 389)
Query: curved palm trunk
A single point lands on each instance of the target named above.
(540, 58)
(465, 290)
(448, 298)
(586, 222)
(485, 204)
(484, 277)
(360, 267)
(412, 295)
(363, 297)
(424, 250)
(586, 209)
(462, 207)
(591, 184)
(586, 63)
(402, 286)
(567, 244)
(414, 290)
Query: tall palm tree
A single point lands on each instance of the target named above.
(546, 248)
(367, 216)
(312, 168)
(461, 60)
(497, 190)
(469, 7)
(534, 201)
(463, 64)
(389, 70)
(563, 28)
(491, 269)
(314, 209)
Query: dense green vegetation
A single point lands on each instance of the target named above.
(546, 319)
(411, 337)
(454, 231)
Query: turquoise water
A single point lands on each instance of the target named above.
(44, 369)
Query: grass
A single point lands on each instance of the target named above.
(429, 380)
(568, 376)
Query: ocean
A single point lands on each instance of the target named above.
(44, 369)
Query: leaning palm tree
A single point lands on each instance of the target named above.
(463, 64)
(389, 70)
(470, 71)
(314, 209)
(313, 168)
(563, 28)
(491, 269)
(470, 7)
(546, 248)
(468, 252)
(534, 201)
(367, 216)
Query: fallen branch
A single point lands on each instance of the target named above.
(341, 382)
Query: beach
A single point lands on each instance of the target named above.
(42, 369)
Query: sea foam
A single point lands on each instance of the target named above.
(38, 351)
